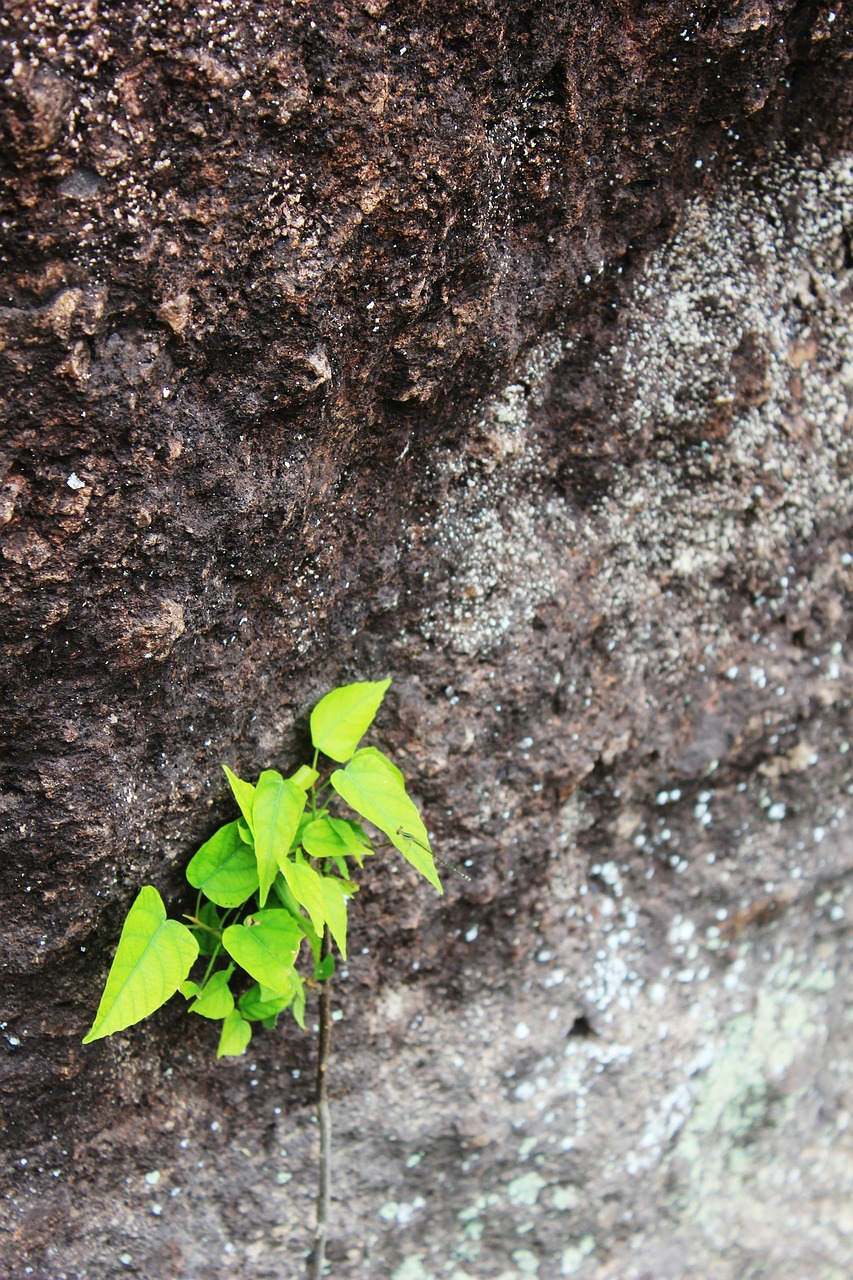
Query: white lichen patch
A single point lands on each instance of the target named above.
(573, 1257)
(733, 378)
(715, 1087)
(413, 1269)
(498, 565)
(525, 1189)
(755, 1100)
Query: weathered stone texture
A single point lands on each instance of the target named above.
(505, 349)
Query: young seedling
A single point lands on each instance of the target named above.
(274, 878)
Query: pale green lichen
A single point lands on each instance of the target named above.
(745, 1098)
(525, 1189)
(412, 1268)
(482, 1204)
(573, 1257)
(526, 1261)
(564, 1198)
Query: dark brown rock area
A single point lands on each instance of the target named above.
(505, 349)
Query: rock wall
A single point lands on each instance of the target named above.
(506, 350)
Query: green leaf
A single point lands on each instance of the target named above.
(335, 894)
(236, 1034)
(370, 787)
(325, 968)
(321, 840)
(225, 868)
(373, 753)
(244, 794)
(278, 806)
(363, 849)
(215, 1001)
(304, 821)
(298, 1006)
(153, 958)
(335, 838)
(286, 898)
(306, 886)
(266, 946)
(245, 833)
(305, 777)
(190, 989)
(255, 1008)
(340, 720)
(207, 942)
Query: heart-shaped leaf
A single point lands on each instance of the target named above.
(370, 787)
(304, 777)
(244, 794)
(306, 886)
(340, 720)
(236, 1034)
(304, 821)
(373, 753)
(297, 1008)
(216, 1000)
(335, 838)
(266, 948)
(225, 869)
(277, 808)
(153, 958)
(286, 898)
(256, 1009)
(335, 895)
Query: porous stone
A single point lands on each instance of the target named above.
(506, 350)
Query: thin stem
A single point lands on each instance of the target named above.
(199, 924)
(313, 795)
(218, 947)
(211, 963)
(324, 1119)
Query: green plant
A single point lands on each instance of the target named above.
(286, 848)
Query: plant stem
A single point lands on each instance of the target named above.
(211, 962)
(199, 924)
(324, 1119)
(313, 796)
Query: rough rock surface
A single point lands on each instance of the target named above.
(506, 349)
